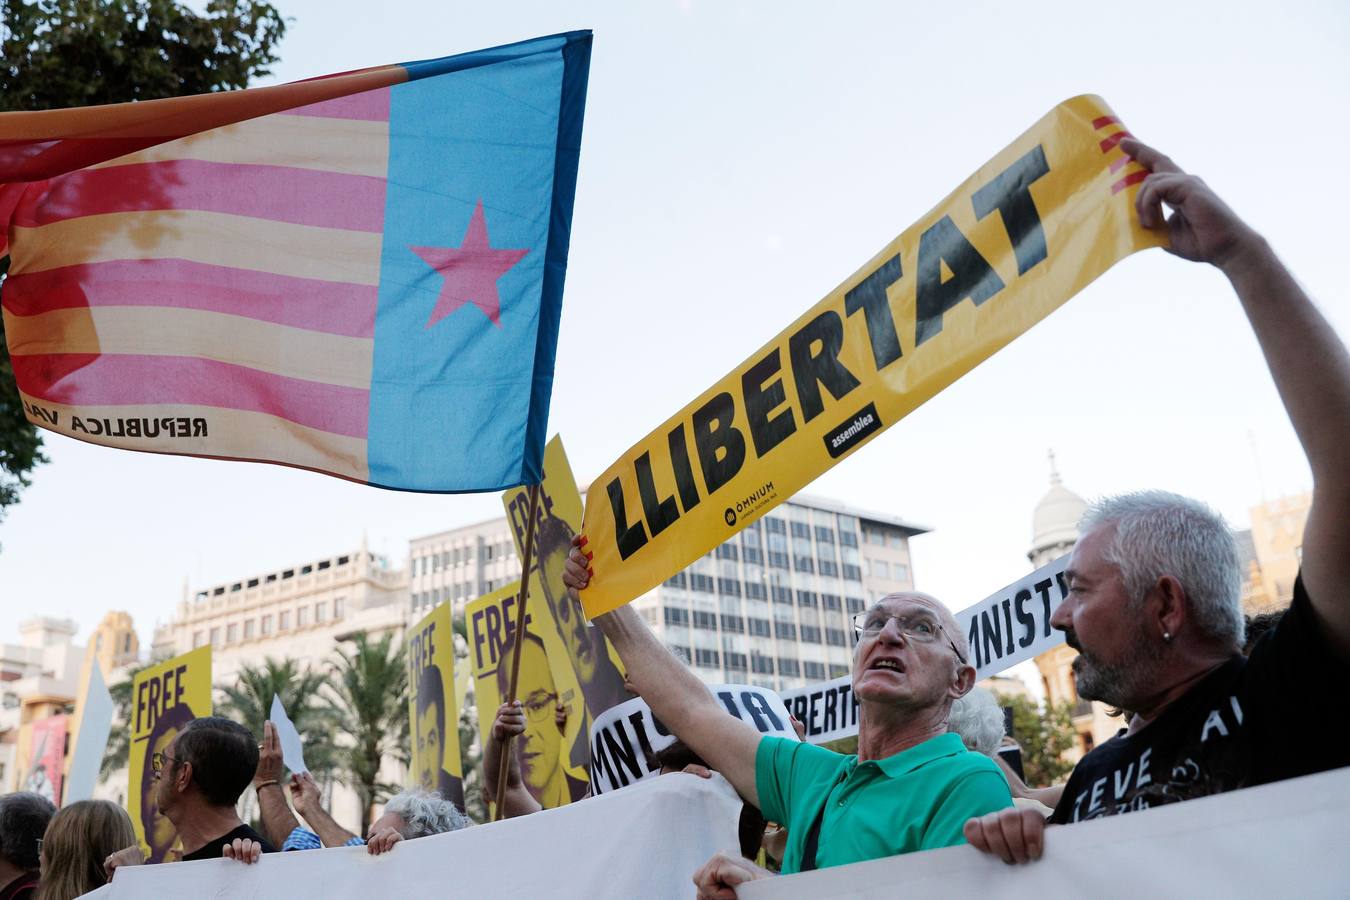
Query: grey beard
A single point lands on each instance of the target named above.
(1117, 684)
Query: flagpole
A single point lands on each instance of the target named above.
(518, 640)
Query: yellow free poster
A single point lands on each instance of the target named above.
(544, 749)
(433, 711)
(164, 699)
(594, 663)
(1026, 232)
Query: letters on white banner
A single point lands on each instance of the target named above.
(1004, 629)
(626, 738)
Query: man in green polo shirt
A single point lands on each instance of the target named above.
(912, 785)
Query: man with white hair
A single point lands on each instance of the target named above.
(1154, 583)
(912, 784)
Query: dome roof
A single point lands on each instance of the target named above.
(1055, 520)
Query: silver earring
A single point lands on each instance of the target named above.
(1167, 635)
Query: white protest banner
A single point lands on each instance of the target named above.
(1008, 627)
(625, 738)
(1200, 848)
(828, 710)
(292, 750)
(91, 740)
(644, 842)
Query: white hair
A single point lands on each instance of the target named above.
(978, 719)
(1159, 533)
(425, 813)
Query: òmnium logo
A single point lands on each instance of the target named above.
(859, 426)
(752, 502)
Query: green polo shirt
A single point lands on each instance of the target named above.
(918, 799)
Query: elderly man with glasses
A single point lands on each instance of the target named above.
(912, 785)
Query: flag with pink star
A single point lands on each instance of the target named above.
(360, 274)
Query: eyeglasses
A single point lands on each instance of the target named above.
(919, 628)
(159, 760)
(538, 705)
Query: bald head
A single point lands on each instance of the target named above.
(901, 599)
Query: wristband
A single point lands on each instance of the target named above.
(264, 784)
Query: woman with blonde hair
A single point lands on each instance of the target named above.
(77, 841)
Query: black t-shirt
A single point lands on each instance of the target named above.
(213, 849)
(1249, 722)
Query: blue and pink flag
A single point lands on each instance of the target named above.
(360, 274)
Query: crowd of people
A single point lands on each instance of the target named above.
(1153, 610)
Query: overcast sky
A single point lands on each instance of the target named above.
(739, 160)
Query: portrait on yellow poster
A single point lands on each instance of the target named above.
(1031, 228)
(562, 622)
(164, 699)
(433, 709)
(553, 709)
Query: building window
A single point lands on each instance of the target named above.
(804, 564)
(215, 637)
(248, 629)
(284, 621)
(702, 583)
(705, 620)
(736, 662)
(835, 637)
(253, 582)
(676, 616)
(320, 612)
(231, 632)
(302, 617)
(831, 601)
(710, 659)
(339, 607)
(855, 605)
(837, 670)
(784, 630)
(778, 560)
(848, 539)
(824, 535)
(801, 530)
(733, 623)
(677, 580)
(899, 571)
(759, 627)
(730, 587)
(755, 590)
(774, 525)
(781, 594)
(852, 573)
(877, 568)
(789, 667)
(197, 638)
(761, 665)
(753, 556)
(806, 598)
(265, 626)
(810, 634)
(814, 671)
(727, 551)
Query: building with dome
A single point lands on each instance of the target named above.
(1054, 526)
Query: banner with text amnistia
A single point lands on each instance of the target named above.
(433, 712)
(546, 750)
(1009, 626)
(164, 699)
(1026, 232)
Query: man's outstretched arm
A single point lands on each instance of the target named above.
(517, 801)
(674, 693)
(1307, 361)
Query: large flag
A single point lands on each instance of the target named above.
(360, 274)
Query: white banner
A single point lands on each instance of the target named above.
(625, 738)
(1004, 629)
(1278, 840)
(645, 842)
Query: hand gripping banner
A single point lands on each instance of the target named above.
(1026, 232)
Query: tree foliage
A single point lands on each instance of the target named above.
(1045, 733)
(63, 53)
(249, 702)
(368, 692)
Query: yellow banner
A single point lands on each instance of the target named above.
(164, 699)
(433, 711)
(1021, 236)
(546, 750)
(595, 665)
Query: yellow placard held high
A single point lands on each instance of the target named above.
(1022, 235)
(164, 699)
(594, 663)
(544, 751)
(433, 711)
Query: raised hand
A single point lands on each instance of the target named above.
(269, 758)
(1013, 835)
(246, 851)
(127, 856)
(510, 721)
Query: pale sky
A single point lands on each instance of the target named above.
(741, 159)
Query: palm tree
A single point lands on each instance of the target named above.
(119, 739)
(249, 702)
(368, 692)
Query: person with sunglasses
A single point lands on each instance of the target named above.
(912, 784)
